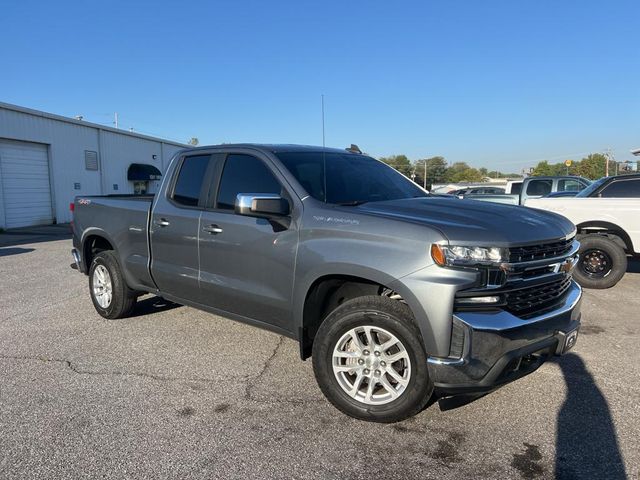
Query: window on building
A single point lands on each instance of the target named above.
(245, 174)
(189, 182)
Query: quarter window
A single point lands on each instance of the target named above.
(622, 189)
(245, 174)
(189, 181)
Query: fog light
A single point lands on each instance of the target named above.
(476, 300)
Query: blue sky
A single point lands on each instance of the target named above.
(501, 84)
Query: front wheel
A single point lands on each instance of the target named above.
(111, 296)
(602, 262)
(369, 360)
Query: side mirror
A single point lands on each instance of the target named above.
(261, 205)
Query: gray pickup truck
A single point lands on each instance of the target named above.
(398, 295)
(535, 187)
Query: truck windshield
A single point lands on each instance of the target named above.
(591, 188)
(348, 179)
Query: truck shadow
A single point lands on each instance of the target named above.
(153, 304)
(5, 252)
(586, 440)
(634, 265)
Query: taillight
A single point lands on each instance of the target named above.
(72, 206)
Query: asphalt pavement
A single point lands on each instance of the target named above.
(173, 392)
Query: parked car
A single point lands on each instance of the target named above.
(607, 216)
(535, 187)
(395, 293)
(462, 192)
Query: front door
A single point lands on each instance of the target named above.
(247, 263)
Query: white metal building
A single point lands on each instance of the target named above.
(46, 160)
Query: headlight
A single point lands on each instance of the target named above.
(455, 255)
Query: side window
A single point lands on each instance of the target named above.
(516, 188)
(569, 185)
(622, 189)
(189, 181)
(244, 174)
(539, 187)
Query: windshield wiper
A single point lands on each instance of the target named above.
(353, 203)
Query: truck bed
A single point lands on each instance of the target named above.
(124, 221)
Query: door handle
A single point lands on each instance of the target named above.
(212, 229)
(161, 223)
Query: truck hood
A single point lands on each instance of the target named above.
(475, 223)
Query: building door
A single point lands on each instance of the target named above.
(26, 188)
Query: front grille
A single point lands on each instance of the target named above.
(538, 252)
(533, 299)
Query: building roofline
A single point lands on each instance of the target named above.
(60, 118)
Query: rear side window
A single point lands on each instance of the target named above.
(539, 187)
(189, 181)
(516, 188)
(245, 174)
(570, 185)
(622, 189)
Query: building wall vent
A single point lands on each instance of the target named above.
(90, 160)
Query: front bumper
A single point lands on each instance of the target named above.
(500, 347)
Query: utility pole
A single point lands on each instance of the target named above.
(606, 167)
(115, 119)
(425, 174)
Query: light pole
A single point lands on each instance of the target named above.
(424, 180)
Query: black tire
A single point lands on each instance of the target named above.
(123, 299)
(602, 262)
(394, 317)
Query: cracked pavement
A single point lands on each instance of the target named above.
(177, 393)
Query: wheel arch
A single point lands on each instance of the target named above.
(93, 241)
(325, 292)
(606, 228)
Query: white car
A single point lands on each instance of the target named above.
(607, 217)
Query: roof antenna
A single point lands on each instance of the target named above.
(322, 99)
(324, 158)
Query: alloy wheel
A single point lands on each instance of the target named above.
(371, 365)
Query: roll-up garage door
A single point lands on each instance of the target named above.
(26, 191)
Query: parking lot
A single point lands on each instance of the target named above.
(175, 392)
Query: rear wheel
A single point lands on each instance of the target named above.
(602, 262)
(369, 360)
(110, 295)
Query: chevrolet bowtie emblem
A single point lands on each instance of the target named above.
(566, 266)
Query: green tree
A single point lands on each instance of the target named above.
(461, 172)
(544, 168)
(400, 163)
(436, 168)
(194, 141)
(593, 166)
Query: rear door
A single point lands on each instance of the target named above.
(247, 263)
(174, 228)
